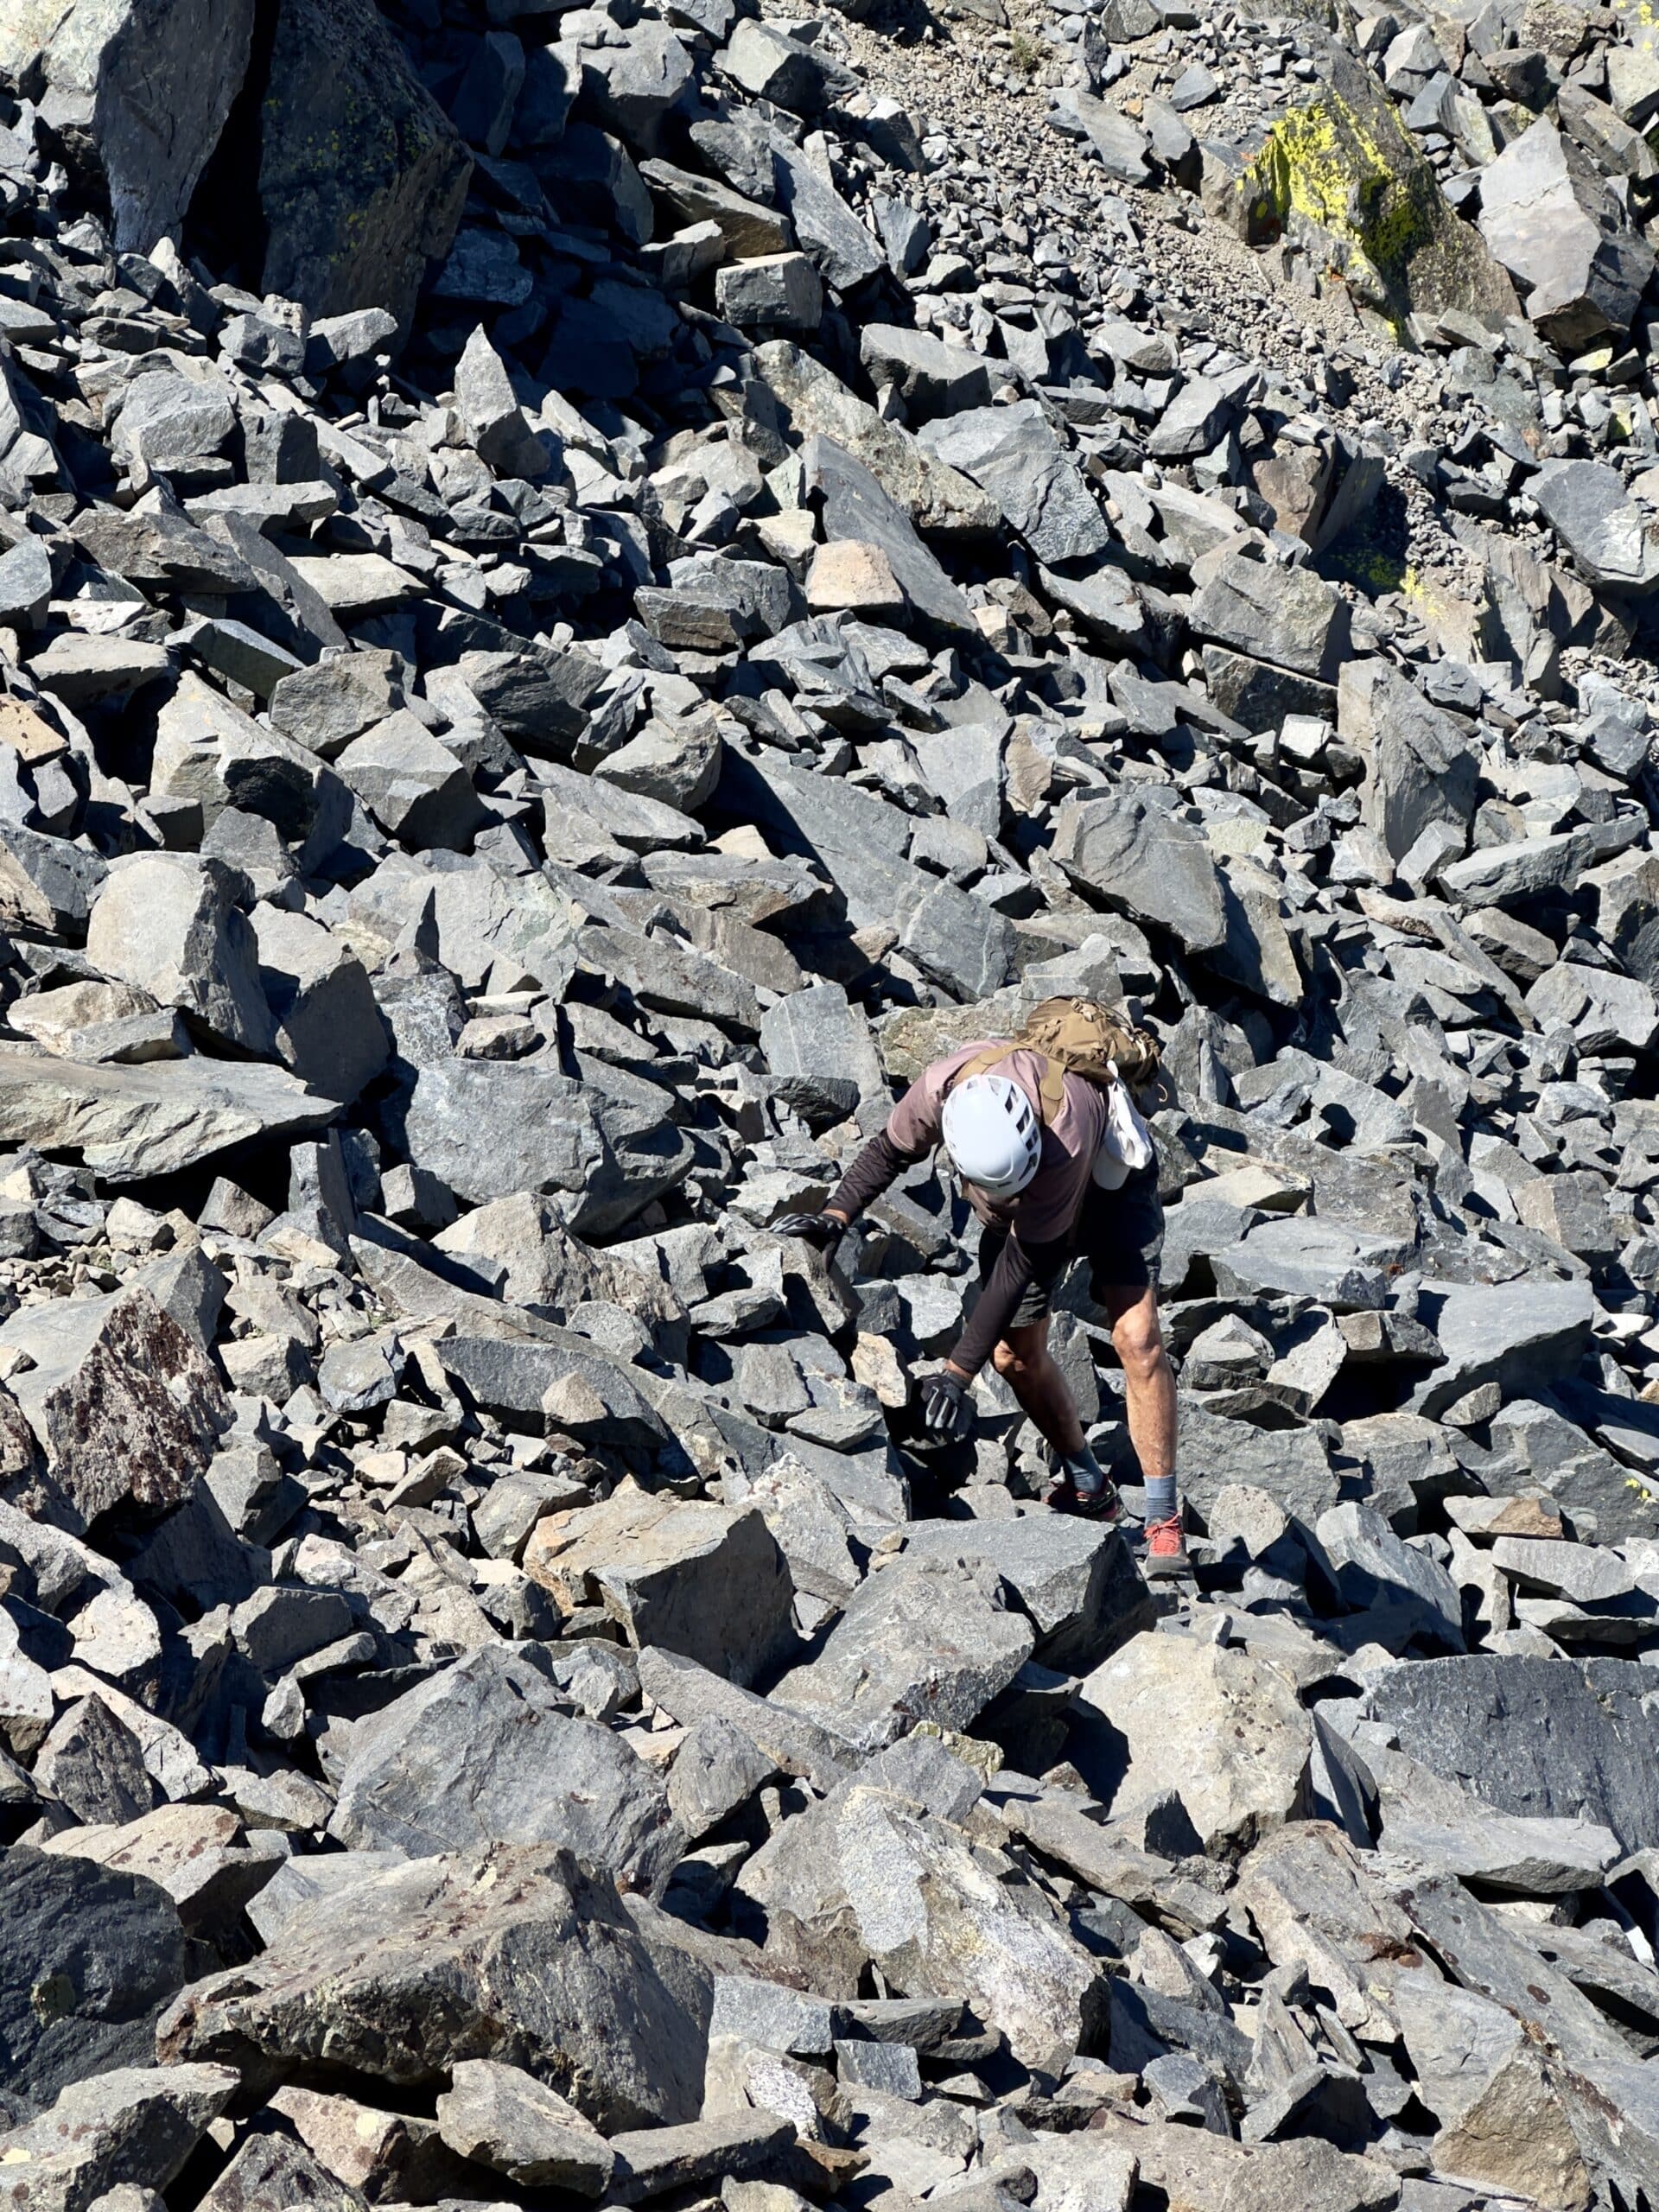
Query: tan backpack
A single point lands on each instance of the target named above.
(1076, 1036)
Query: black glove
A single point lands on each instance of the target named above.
(820, 1228)
(947, 1410)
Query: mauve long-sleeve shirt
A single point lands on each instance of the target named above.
(1041, 1220)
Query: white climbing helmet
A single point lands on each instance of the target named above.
(992, 1135)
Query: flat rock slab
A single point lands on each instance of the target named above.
(1532, 1736)
(129, 1123)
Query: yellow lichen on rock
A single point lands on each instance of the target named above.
(1345, 179)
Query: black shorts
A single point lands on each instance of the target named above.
(1120, 1241)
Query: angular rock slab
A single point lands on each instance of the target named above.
(487, 1751)
(1146, 861)
(1532, 1736)
(944, 1918)
(1076, 1582)
(927, 1640)
(139, 94)
(508, 2121)
(133, 2127)
(1222, 1730)
(131, 1123)
(125, 1405)
(1519, 1335)
(696, 1579)
(513, 1953)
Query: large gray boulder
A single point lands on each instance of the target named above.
(488, 1752)
(1076, 1582)
(1145, 860)
(399, 1970)
(362, 177)
(944, 1918)
(704, 1580)
(88, 1958)
(211, 753)
(603, 1143)
(139, 94)
(1219, 1728)
(166, 922)
(1287, 616)
(1520, 1335)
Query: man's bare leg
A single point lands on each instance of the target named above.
(1149, 1379)
(1026, 1365)
(1149, 1405)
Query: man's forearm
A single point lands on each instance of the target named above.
(877, 1167)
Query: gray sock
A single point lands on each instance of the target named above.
(1161, 1499)
(1085, 1473)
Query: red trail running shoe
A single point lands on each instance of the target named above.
(1166, 1553)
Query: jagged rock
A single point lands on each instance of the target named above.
(1142, 859)
(516, 2125)
(1419, 767)
(1288, 616)
(944, 1920)
(1220, 1729)
(699, 1579)
(927, 1641)
(197, 1853)
(1561, 234)
(488, 1752)
(1017, 456)
(166, 924)
(130, 2129)
(125, 1408)
(515, 1948)
(139, 96)
(1610, 538)
(1515, 1335)
(1077, 1584)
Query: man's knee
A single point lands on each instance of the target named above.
(1024, 1357)
(1138, 1342)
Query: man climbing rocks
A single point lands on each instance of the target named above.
(1023, 1134)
